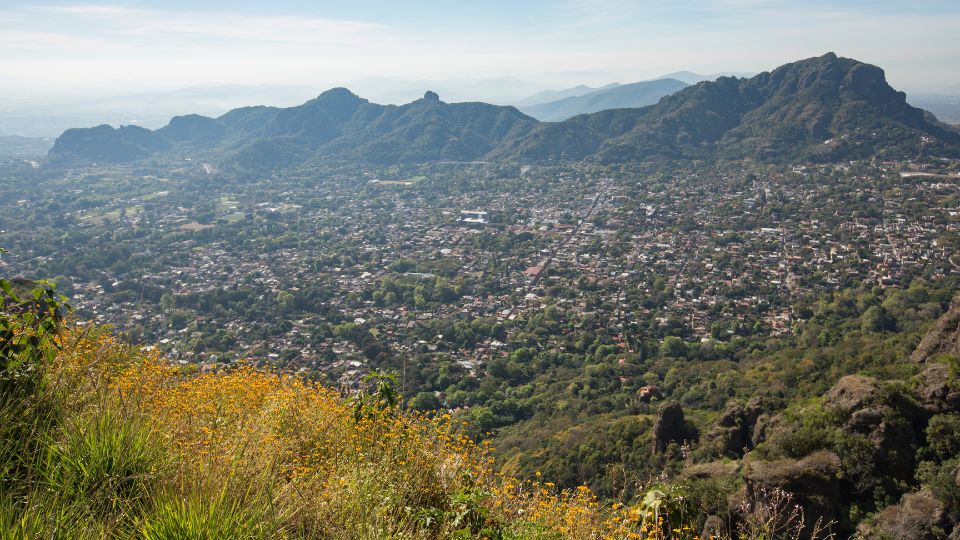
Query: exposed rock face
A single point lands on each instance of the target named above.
(943, 338)
(918, 516)
(852, 392)
(888, 421)
(814, 481)
(734, 431)
(669, 427)
(933, 389)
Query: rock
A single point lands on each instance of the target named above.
(669, 427)
(890, 421)
(933, 389)
(918, 516)
(813, 480)
(649, 393)
(733, 432)
(943, 338)
(713, 527)
(765, 426)
(852, 392)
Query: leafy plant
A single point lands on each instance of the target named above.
(28, 328)
(382, 398)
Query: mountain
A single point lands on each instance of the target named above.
(690, 77)
(618, 97)
(390, 90)
(820, 109)
(107, 144)
(824, 108)
(336, 126)
(547, 96)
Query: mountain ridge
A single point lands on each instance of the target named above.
(818, 109)
(634, 95)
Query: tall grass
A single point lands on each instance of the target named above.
(128, 446)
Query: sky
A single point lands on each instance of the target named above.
(69, 49)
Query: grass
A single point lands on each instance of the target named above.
(116, 443)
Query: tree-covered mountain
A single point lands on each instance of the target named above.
(820, 109)
(638, 94)
(335, 126)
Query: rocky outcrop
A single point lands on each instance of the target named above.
(733, 433)
(918, 516)
(882, 420)
(851, 393)
(670, 427)
(943, 338)
(934, 391)
(813, 480)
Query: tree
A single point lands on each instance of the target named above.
(876, 319)
(673, 346)
(425, 401)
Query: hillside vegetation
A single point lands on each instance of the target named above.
(102, 440)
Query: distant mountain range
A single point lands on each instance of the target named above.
(620, 96)
(824, 108)
(559, 105)
(821, 109)
(547, 96)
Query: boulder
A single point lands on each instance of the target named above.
(918, 516)
(669, 427)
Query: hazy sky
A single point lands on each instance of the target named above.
(50, 47)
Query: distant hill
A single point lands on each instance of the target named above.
(335, 126)
(824, 108)
(820, 109)
(618, 97)
(547, 96)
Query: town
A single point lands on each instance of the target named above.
(330, 274)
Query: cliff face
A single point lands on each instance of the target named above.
(944, 338)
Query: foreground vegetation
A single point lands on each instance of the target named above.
(102, 440)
